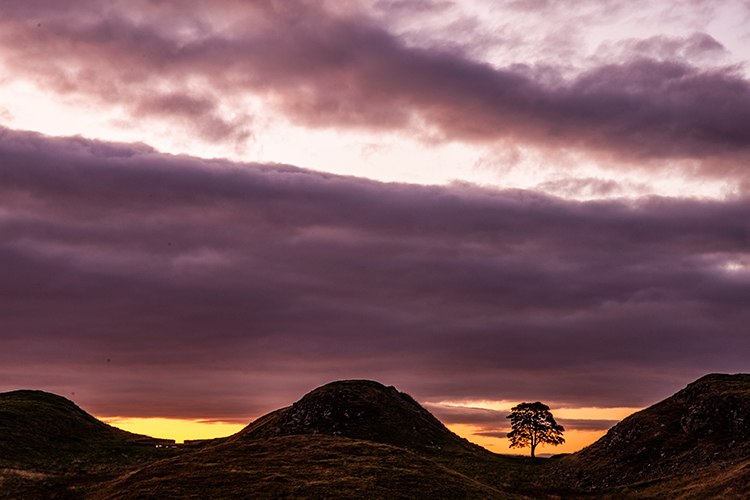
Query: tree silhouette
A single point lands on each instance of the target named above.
(532, 425)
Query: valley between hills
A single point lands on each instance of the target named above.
(361, 439)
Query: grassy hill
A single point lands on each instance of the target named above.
(347, 439)
(303, 467)
(49, 447)
(362, 409)
(694, 444)
(360, 439)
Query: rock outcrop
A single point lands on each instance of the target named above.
(361, 409)
(707, 424)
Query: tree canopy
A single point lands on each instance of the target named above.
(532, 425)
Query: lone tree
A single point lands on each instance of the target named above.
(533, 424)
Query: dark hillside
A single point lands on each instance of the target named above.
(299, 467)
(360, 439)
(49, 447)
(361, 409)
(700, 431)
(33, 421)
(347, 439)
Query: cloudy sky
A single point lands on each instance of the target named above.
(208, 209)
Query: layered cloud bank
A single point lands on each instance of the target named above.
(172, 285)
(160, 285)
(433, 71)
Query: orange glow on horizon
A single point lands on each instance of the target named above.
(618, 413)
(182, 429)
(174, 428)
(585, 413)
(575, 440)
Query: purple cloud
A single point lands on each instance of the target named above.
(318, 67)
(246, 285)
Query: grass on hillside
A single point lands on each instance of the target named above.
(50, 448)
(45, 433)
(304, 467)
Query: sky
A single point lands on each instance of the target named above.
(208, 209)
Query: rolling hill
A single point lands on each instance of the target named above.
(347, 439)
(49, 447)
(360, 439)
(694, 444)
(364, 410)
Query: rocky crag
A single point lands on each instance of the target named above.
(361, 409)
(702, 428)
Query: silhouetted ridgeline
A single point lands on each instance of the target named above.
(39, 430)
(360, 439)
(701, 432)
(361, 409)
(50, 448)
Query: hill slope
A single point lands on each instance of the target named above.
(697, 439)
(49, 445)
(300, 467)
(360, 439)
(361, 409)
(347, 439)
(36, 426)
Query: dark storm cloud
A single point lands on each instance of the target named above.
(192, 62)
(248, 285)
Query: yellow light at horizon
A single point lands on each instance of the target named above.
(482, 404)
(575, 440)
(585, 413)
(616, 413)
(177, 429)
(184, 429)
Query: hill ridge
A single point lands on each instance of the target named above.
(360, 438)
(361, 409)
(41, 432)
(705, 424)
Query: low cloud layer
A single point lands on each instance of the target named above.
(160, 285)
